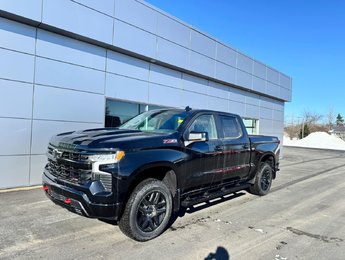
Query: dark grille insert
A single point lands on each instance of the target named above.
(75, 167)
(68, 172)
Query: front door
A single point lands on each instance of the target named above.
(203, 159)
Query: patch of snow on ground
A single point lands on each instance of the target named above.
(319, 140)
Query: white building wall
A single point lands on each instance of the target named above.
(51, 83)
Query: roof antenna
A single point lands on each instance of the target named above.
(188, 108)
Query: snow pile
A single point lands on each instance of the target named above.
(319, 140)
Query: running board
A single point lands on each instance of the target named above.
(212, 195)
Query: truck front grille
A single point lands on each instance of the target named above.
(74, 167)
(68, 172)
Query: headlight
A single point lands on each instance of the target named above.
(107, 158)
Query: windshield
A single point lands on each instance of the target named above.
(156, 121)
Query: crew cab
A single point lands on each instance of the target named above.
(160, 161)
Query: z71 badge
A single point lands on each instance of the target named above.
(170, 141)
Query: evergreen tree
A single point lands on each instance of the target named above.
(340, 120)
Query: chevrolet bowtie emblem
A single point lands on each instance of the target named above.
(56, 153)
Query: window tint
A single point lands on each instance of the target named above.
(231, 128)
(204, 123)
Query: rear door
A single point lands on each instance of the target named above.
(235, 149)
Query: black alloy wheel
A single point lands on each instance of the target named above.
(148, 210)
(263, 180)
(151, 211)
(266, 179)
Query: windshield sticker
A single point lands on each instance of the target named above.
(169, 141)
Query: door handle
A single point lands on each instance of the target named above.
(218, 149)
(245, 146)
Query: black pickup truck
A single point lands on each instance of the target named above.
(144, 171)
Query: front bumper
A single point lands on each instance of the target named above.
(78, 201)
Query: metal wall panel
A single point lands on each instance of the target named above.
(226, 55)
(62, 48)
(203, 44)
(259, 85)
(68, 76)
(237, 108)
(272, 76)
(194, 84)
(77, 106)
(43, 130)
(225, 72)
(194, 100)
(29, 9)
(16, 36)
(218, 90)
(16, 66)
(272, 89)
(266, 113)
(252, 111)
(15, 136)
(218, 104)
(78, 19)
(37, 163)
(252, 99)
(259, 70)
(202, 64)
(16, 99)
(121, 64)
(126, 88)
(244, 63)
(173, 30)
(14, 171)
(137, 14)
(237, 95)
(165, 96)
(134, 39)
(165, 76)
(244, 79)
(104, 6)
(285, 81)
(172, 53)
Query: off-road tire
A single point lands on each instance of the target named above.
(263, 180)
(141, 208)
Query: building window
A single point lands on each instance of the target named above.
(118, 112)
(251, 125)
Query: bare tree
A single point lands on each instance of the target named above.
(311, 118)
(330, 118)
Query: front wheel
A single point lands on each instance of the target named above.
(263, 180)
(147, 211)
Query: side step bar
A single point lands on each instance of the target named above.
(212, 195)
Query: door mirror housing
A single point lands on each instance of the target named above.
(196, 137)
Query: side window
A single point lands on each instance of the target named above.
(230, 126)
(205, 123)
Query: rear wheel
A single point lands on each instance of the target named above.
(148, 211)
(263, 180)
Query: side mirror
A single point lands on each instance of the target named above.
(196, 137)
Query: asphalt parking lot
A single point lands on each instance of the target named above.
(302, 218)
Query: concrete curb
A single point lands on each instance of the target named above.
(20, 189)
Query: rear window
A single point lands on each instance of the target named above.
(231, 127)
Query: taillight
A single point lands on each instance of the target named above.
(45, 187)
(67, 201)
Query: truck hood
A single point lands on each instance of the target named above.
(112, 138)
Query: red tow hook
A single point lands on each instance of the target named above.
(45, 187)
(68, 201)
